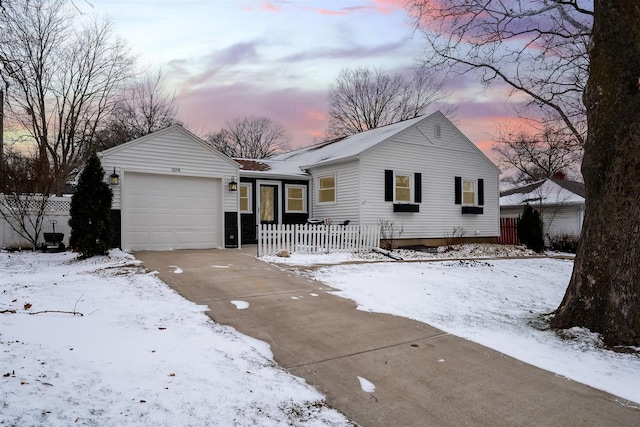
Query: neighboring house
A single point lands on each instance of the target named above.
(559, 201)
(422, 175)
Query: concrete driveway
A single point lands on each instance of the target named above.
(422, 376)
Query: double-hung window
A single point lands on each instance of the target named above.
(327, 189)
(469, 192)
(402, 189)
(245, 198)
(296, 201)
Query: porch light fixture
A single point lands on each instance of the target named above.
(114, 179)
(233, 185)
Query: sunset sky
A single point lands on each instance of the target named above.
(234, 58)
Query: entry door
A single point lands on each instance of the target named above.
(268, 203)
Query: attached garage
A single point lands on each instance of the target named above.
(173, 193)
(161, 212)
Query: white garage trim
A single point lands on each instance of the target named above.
(163, 212)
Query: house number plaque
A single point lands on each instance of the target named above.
(175, 169)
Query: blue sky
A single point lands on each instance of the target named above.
(233, 58)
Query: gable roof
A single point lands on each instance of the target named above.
(352, 146)
(347, 147)
(168, 130)
(573, 186)
(547, 191)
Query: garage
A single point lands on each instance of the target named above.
(172, 191)
(161, 212)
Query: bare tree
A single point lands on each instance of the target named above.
(537, 47)
(144, 107)
(250, 138)
(541, 151)
(26, 194)
(62, 75)
(363, 98)
(604, 292)
(546, 49)
(540, 48)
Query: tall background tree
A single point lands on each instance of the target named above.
(62, 72)
(546, 49)
(537, 151)
(250, 138)
(364, 98)
(145, 106)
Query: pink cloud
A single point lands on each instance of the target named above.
(270, 7)
(387, 6)
(300, 112)
(324, 11)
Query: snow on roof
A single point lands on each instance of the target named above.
(546, 192)
(344, 148)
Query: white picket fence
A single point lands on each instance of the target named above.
(305, 238)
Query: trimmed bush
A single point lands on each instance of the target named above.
(90, 212)
(530, 230)
(564, 243)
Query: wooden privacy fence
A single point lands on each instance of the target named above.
(306, 238)
(508, 231)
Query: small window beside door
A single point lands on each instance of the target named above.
(245, 198)
(296, 198)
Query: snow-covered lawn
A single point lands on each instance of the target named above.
(498, 303)
(125, 349)
(102, 342)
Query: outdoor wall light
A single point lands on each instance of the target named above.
(233, 185)
(114, 178)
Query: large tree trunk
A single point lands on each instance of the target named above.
(604, 292)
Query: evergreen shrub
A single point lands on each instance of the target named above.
(90, 212)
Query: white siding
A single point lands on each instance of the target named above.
(172, 151)
(439, 164)
(562, 220)
(557, 220)
(347, 193)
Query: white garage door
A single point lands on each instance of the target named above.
(161, 212)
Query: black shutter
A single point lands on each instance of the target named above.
(388, 186)
(458, 190)
(481, 192)
(417, 195)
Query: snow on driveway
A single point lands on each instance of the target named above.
(102, 342)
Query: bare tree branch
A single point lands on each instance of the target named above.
(62, 77)
(361, 99)
(144, 107)
(537, 47)
(25, 196)
(250, 138)
(540, 151)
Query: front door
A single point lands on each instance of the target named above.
(268, 196)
